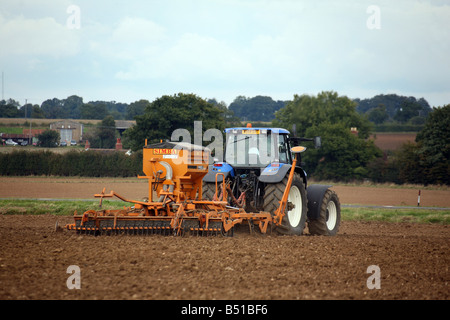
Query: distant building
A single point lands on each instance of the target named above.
(122, 125)
(30, 136)
(68, 130)
(32, 132)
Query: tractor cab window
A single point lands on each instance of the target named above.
(255, 148)
(283, 149)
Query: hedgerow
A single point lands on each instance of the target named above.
(73, 163)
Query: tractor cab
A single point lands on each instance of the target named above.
(259, 152)
(257, 147)
(252, 152)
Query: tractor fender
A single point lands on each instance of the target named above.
(221, 167)
(275, 174)
(315, 194)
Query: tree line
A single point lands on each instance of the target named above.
(394, 108)
(380, 109)
(344, 156)
(72, 107)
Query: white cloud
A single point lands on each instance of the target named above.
(205, 56)
(37, 37)
(137, 32)
(37, 9)
(129, 41)
(142, 49)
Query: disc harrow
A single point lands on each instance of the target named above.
(129, 227)
(101, 223)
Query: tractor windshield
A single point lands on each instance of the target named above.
(255, 148)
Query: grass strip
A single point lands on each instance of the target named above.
(396, 215)
(67, 207)
(60, 207)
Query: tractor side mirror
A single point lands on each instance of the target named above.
(317, 142)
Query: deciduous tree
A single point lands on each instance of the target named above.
(49, 138)
(168, 113)
(343, 155)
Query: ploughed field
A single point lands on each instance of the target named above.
(403, 260)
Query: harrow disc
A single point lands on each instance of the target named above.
(122, 226)
(107, 225)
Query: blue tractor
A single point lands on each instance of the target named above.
(256, 167)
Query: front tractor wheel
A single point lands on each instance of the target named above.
(294, 220)
(329, 217)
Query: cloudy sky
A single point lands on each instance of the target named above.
(130, 50)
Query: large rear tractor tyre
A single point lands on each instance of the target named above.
(208, 190)
(329, 218)
(294, 220)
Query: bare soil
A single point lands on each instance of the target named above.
(136, 189)
(413, 259)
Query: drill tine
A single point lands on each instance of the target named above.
(130, 226)
(151, 227)
(159, 231)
